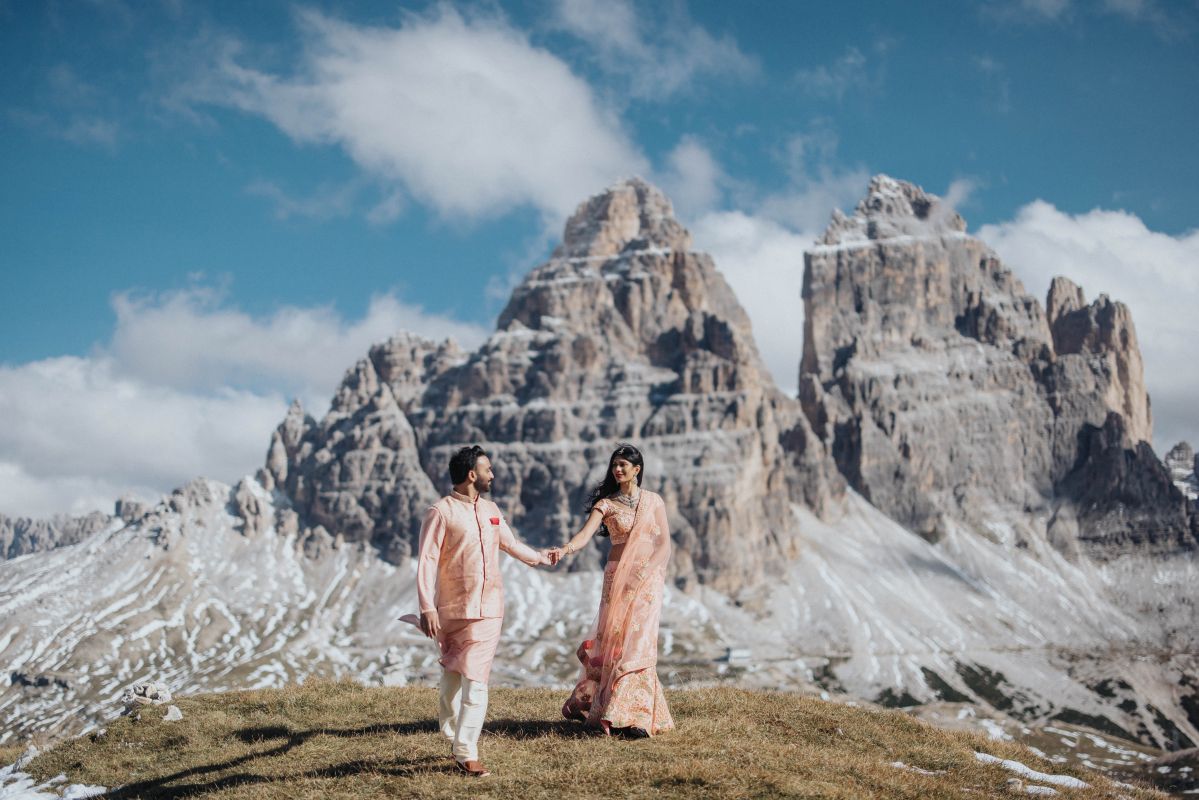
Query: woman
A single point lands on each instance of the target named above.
(618, 689)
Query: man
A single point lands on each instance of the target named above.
(461, 597)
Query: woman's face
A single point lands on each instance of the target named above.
(624, 470)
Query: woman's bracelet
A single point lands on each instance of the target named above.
(568, 549)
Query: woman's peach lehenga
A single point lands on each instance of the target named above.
(618, 685)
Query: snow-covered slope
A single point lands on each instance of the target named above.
(186, 596)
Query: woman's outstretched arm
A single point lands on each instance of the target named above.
(580, 539)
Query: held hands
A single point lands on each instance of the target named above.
(553, 555)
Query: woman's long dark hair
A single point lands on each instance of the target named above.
(608, 486)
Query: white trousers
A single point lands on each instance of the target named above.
(462, 709)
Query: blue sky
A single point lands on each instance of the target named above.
(210, 208)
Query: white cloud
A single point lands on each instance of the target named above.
(1156, 275)
(25, 495)
(835, 80)
(817, 182)
(656, 57)
(760, 252)
(187, 386)
(461, 113)
(188, 340)
(810, 199)
(763, 262)
(959, 192)
(76, 429)
(692, 179)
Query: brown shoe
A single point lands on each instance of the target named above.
(475, 769)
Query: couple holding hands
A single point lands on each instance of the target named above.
(461, 598)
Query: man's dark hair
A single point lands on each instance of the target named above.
(462, 462)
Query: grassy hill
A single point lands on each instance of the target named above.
(342, 740)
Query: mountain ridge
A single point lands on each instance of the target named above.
(955, 506)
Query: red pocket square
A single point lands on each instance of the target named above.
(495, 520)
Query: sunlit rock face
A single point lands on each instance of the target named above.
(1052, 581)
(1102, 332)
(625, 334)
(944, 390)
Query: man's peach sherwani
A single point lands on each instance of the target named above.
(458, 575)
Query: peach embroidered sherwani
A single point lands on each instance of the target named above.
(458, 574)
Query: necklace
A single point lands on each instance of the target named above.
(630, 500)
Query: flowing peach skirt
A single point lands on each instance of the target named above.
(636, 699)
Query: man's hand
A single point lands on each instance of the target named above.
(430, 624)
(551, 556)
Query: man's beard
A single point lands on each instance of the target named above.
(482, 486)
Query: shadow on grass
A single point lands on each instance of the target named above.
(399, 768)
(539, 729)
(181, 784)
(267, 733)
(158, 787)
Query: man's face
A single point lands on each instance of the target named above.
(483, 475)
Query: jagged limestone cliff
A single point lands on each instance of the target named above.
(1053, 577)
(945, 391)
(626, 333)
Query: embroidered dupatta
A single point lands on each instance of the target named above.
(624, 638)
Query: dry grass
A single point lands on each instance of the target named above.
(341, 740)
(9, 754)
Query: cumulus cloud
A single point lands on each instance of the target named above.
(87, 434)
(1156, 275)
(808, 202)
(760, 250)
(190, 340)
(462, 113)
(761, 253)
(763, 262)
(186, 386)
(656, 57)
(817, 181)
(692, 178)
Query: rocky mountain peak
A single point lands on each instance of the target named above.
(1065, 297)
(1183, 463)
(625, 286)
(1180, 457)
(625, 333)
(929, 370)
(893, 208)
(631, 212)
(1103, 330)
